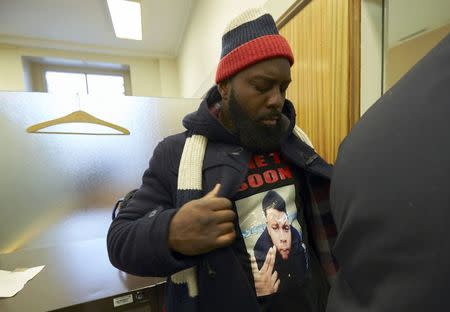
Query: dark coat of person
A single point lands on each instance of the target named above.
(391, 198)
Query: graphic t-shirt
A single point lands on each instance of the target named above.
(275, 252)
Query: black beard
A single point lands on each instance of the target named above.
(253, 135)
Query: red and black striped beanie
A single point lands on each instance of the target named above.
(250, 38)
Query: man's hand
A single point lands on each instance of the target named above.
(266, 280)
(202, 225)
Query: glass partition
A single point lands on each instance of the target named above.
(411, 29)
(57, 188)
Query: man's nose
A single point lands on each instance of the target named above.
(276, 98)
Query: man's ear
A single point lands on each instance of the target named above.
(224, 88)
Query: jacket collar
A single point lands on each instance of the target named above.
(304, 156)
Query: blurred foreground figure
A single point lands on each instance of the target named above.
(391, 198)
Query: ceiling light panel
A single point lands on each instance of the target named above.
(126, 18)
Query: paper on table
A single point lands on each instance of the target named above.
(12, 282)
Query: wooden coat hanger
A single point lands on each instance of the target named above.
(78, 116)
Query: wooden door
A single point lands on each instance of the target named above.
(324, 36)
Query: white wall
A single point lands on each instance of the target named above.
(27, 74)
(278, 7)
(144, 75)
(11, 72)
(149, 76)
(168, 71)
(371, 52)
(200, 50)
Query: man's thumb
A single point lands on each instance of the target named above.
(214, 192)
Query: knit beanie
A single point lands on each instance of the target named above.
(250, 38)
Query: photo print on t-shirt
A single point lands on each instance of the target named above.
(273, 238)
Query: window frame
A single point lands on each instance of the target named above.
(39, 81)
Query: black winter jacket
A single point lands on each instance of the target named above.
(137, 238)
(391, 198)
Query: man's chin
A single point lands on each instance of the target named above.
(284, 254)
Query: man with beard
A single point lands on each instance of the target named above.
(182, 222)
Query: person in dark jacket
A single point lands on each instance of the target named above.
(391, 199)
(196, 216)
